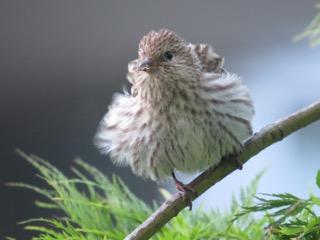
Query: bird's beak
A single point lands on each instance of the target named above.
(145, 65)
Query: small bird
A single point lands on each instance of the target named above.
(184, 111)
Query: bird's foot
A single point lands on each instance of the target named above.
(236, 158)
(185, 190)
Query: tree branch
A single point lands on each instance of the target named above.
(270, 134)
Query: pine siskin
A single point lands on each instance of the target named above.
(184, 111)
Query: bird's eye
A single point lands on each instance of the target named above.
(168, 55)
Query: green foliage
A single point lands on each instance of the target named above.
(289, 217)
(96, 207)
(313, 30)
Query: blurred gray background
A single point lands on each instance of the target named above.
(61, 61)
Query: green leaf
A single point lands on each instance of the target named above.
(318, 179)
(291, 231)
(94, 206)
(315, 200)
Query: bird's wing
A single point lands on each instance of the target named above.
(230, 100)
(132, 75)
(210, 60)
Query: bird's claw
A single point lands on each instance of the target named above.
(236, 159)
(185, 191)
(239, 162)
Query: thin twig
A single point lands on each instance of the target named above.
(270, 134)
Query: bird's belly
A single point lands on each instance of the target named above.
(192, 145)
(155, 143)
(185, 144)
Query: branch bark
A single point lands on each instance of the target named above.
(268, 135)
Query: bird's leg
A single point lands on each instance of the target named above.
(185, 190)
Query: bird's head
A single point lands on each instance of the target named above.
(164, 55)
